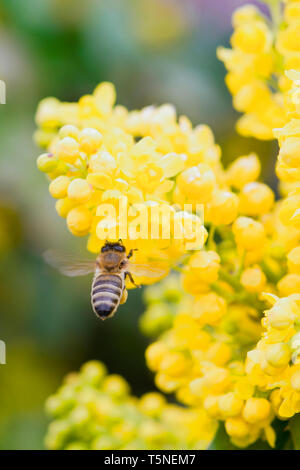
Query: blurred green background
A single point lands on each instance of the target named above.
(154, 51)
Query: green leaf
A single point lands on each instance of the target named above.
(294, 426)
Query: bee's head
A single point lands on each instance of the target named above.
(113, 246)
(113, 256)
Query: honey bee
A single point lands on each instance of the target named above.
(111, 268)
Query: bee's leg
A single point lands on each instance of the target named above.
(130, 254)
(127, 273)
(124, 296)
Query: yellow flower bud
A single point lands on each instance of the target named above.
(283, 314)
(216, 379)
(236, 427)
(276, 399)
(219, 353)
(90, 140)
(60, 169)
(58, 188)
(174, 364)
(295, 380)
(289, 284)
(223, 208)
(205, 266)
(285, 173)
(102, 162)
(293, 260)
(252, 37)
(256, 409)
(244, 14)
(230, 404)
(252, 97)
(253, 279)
(152, 404)
(46, 162)
(63, 206)
(105, 97)
(67, 149)
(211, 405)
(155, 354)
(197, 387)
(290, 152)
(209, 309)
(256, 199)
(289, 211)
(115, 385)
(249, 234)
(244, 388)
(197, 183)
(79, 221)
(278, 354)
(243, 170)
(93, 371)
(68, 131)
(47, 114)
(79, 191)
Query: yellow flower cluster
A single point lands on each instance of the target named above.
(218, 355)
(274, 364)
(93, 410)
(218, 346)
(201, 359)
(99, 154)
(261, 51)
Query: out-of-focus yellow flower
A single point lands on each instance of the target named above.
(243, 170)
(256, 199)
(249, 233)
(92, 410)
(253, 279)
(256, 63)
(293, 259)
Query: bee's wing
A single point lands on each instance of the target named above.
(69, 265)
(147, 270)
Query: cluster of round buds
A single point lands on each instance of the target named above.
(105, 162)
(99, 155)
(93, 410)
(148, 158)
(274, 363)
(202, 367)
(256, 62)
(288, 163)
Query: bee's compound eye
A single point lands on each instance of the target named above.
(119, 248)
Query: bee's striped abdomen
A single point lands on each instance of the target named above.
(107, 290)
